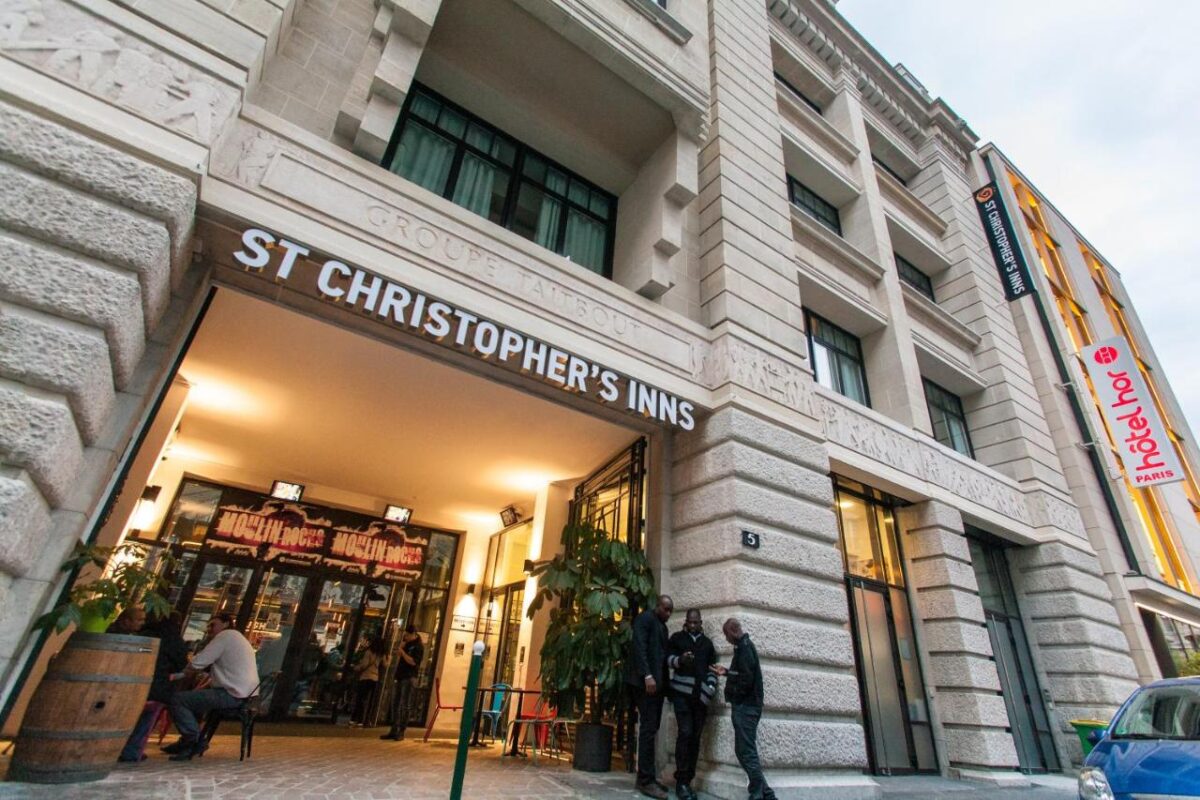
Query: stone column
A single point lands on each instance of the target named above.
(738, 472)
(1079, 644)
(970, 719)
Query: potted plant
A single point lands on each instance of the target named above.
(597, 583)
(93, 605)
(97, 681)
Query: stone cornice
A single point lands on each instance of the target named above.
(819, 28)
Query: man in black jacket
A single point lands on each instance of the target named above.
(646, 672)
(744, 693)
(689, 655)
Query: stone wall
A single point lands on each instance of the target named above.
(91, 242)
(740, 472)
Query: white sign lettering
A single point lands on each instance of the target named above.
(374, 295)
(1138, 432)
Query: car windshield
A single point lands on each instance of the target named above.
(1164, 712)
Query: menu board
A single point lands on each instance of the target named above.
(287, 532)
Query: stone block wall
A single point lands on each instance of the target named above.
(1082, 651)
(92, 240)
(740, 472)
(961, 674)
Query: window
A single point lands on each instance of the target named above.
(452, 153)
(949, 421)
(837, 358)
(812, 204)
(889, 170)
(801, 96)
(913, 276)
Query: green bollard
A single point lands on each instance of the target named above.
(468, 717)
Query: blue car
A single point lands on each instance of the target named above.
(1151, 749)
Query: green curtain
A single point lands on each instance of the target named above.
(547, 225)
(585, 241)
(476, 179)
(423, 157)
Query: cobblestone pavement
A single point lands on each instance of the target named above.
(364, 768)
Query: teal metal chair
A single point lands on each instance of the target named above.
(501, 692)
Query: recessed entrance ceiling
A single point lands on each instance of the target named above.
(280, 395)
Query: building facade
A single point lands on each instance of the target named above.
(688, 270)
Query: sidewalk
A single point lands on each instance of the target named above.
(364, 768)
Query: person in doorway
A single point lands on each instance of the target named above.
(229, 659)
(690, 654)
(410, 655)
(646, 673)
(744, 693)
(172, 658)
(367, 671)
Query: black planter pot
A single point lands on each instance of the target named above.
(593, 747)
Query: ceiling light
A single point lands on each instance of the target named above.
(282, 490)
(399, 514)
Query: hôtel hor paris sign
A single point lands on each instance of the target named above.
(373, 295)
(1139, 433)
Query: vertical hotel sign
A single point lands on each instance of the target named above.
(1138, 432)
(1014, 272)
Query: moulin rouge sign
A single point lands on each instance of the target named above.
(1138, 431)
(375, 296)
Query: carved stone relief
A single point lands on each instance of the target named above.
(79, 48)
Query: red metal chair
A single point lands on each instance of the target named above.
(438, 707)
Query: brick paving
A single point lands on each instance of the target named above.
(360, 767)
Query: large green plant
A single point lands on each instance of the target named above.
(595, 584)
(128, 582)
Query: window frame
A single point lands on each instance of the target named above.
(832, 347)
(953, 409)
(799, 95)
(924, 284)
(796, 199)
(515, 174)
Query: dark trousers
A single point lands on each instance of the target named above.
(745, 747)
(690, 715)
(402, 703)
(187, 707)
(650, 708)
(362, 701)
(135, 745)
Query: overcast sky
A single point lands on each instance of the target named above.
(1098, 103)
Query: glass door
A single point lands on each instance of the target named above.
(207, 588)
(895, 713)
(881, 684)
(1027, 717)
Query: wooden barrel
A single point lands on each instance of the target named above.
(84, 709)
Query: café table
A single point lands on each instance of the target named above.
(483, 691)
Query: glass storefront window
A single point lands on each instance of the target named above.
(191, 514)
(869, 539)
(221, 588)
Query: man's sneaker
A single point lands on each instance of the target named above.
(652, 789)
(684, 792)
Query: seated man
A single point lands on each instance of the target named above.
(229, 659)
